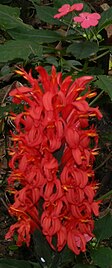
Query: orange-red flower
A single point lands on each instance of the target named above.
(51, 161)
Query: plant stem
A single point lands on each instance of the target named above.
(85, 66)
(97, 97)
(106, 159)
(105, 196)
(94, 36)
(100, 56)
(55, 261)
(87, 35)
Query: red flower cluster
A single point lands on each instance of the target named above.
(51, 161)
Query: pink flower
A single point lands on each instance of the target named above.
(87, 19)
(65, 9)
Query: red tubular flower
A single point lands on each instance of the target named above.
(61, 238)
(76, 241)
(24, 228)
(51, 159)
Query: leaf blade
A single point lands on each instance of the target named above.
(104, 82)
(40, 36)
(106, 19)
(18, 49)
(102, 257)
(82, 50)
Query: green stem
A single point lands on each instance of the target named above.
(94, 35)
(33, 264)
(85, 66)
(86, 33)
(104, 47)
(55, 261)
(105, 160)
(97, 97)
(105, 196)
(73, 28)
(100, 56)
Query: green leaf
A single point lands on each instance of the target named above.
(5, 1)
(106, 19)
(19, 49)
(35, 265)
(39, 36)
(52, 60)
(13, 247)
(5, 70)
(82, 50)
(67, 256)
(62, 2)
(102, 257)
(36, 1)
(72, 63)
(59, 3)
(5, 263)
(103, 227)
(110, 49)
(42, 248)
(84, 266)
(46, 13)
(9, 18)
(11, 263)
(104, 82)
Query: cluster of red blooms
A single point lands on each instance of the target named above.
(51, 161)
